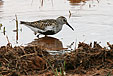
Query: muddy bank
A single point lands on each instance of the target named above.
(86, 60)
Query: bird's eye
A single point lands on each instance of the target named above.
(64, 20)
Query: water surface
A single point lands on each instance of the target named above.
(92, 20)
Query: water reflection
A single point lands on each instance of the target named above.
(48, 43)
(75, 2)
(1, 3)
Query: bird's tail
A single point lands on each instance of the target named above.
(23, 22)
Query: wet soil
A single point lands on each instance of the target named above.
(87, 60)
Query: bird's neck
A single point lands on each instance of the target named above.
(59, 21)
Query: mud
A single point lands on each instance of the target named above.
(86, 60)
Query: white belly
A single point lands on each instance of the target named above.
(56, 28)
(35, 29)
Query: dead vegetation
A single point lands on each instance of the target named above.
(86, 60)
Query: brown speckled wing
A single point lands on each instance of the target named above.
(41, 24)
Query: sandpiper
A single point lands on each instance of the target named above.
(47, 26)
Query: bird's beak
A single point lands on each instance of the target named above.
(69, 26)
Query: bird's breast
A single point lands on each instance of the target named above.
(57, 28)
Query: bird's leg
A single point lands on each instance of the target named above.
(35, 33)
(38, 35)
(45, 35)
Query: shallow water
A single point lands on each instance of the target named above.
(92, 21)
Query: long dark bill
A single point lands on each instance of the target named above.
(69, 26)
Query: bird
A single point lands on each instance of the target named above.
(47, 26)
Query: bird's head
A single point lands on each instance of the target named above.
(62, 20)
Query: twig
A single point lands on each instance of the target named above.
(0, 26)
(75, 45)
(6, 60)
(22, 49)
(16, 29)
(4, 31)
(27, 55)
(42, 2)
(7, 39)
(70, 14)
